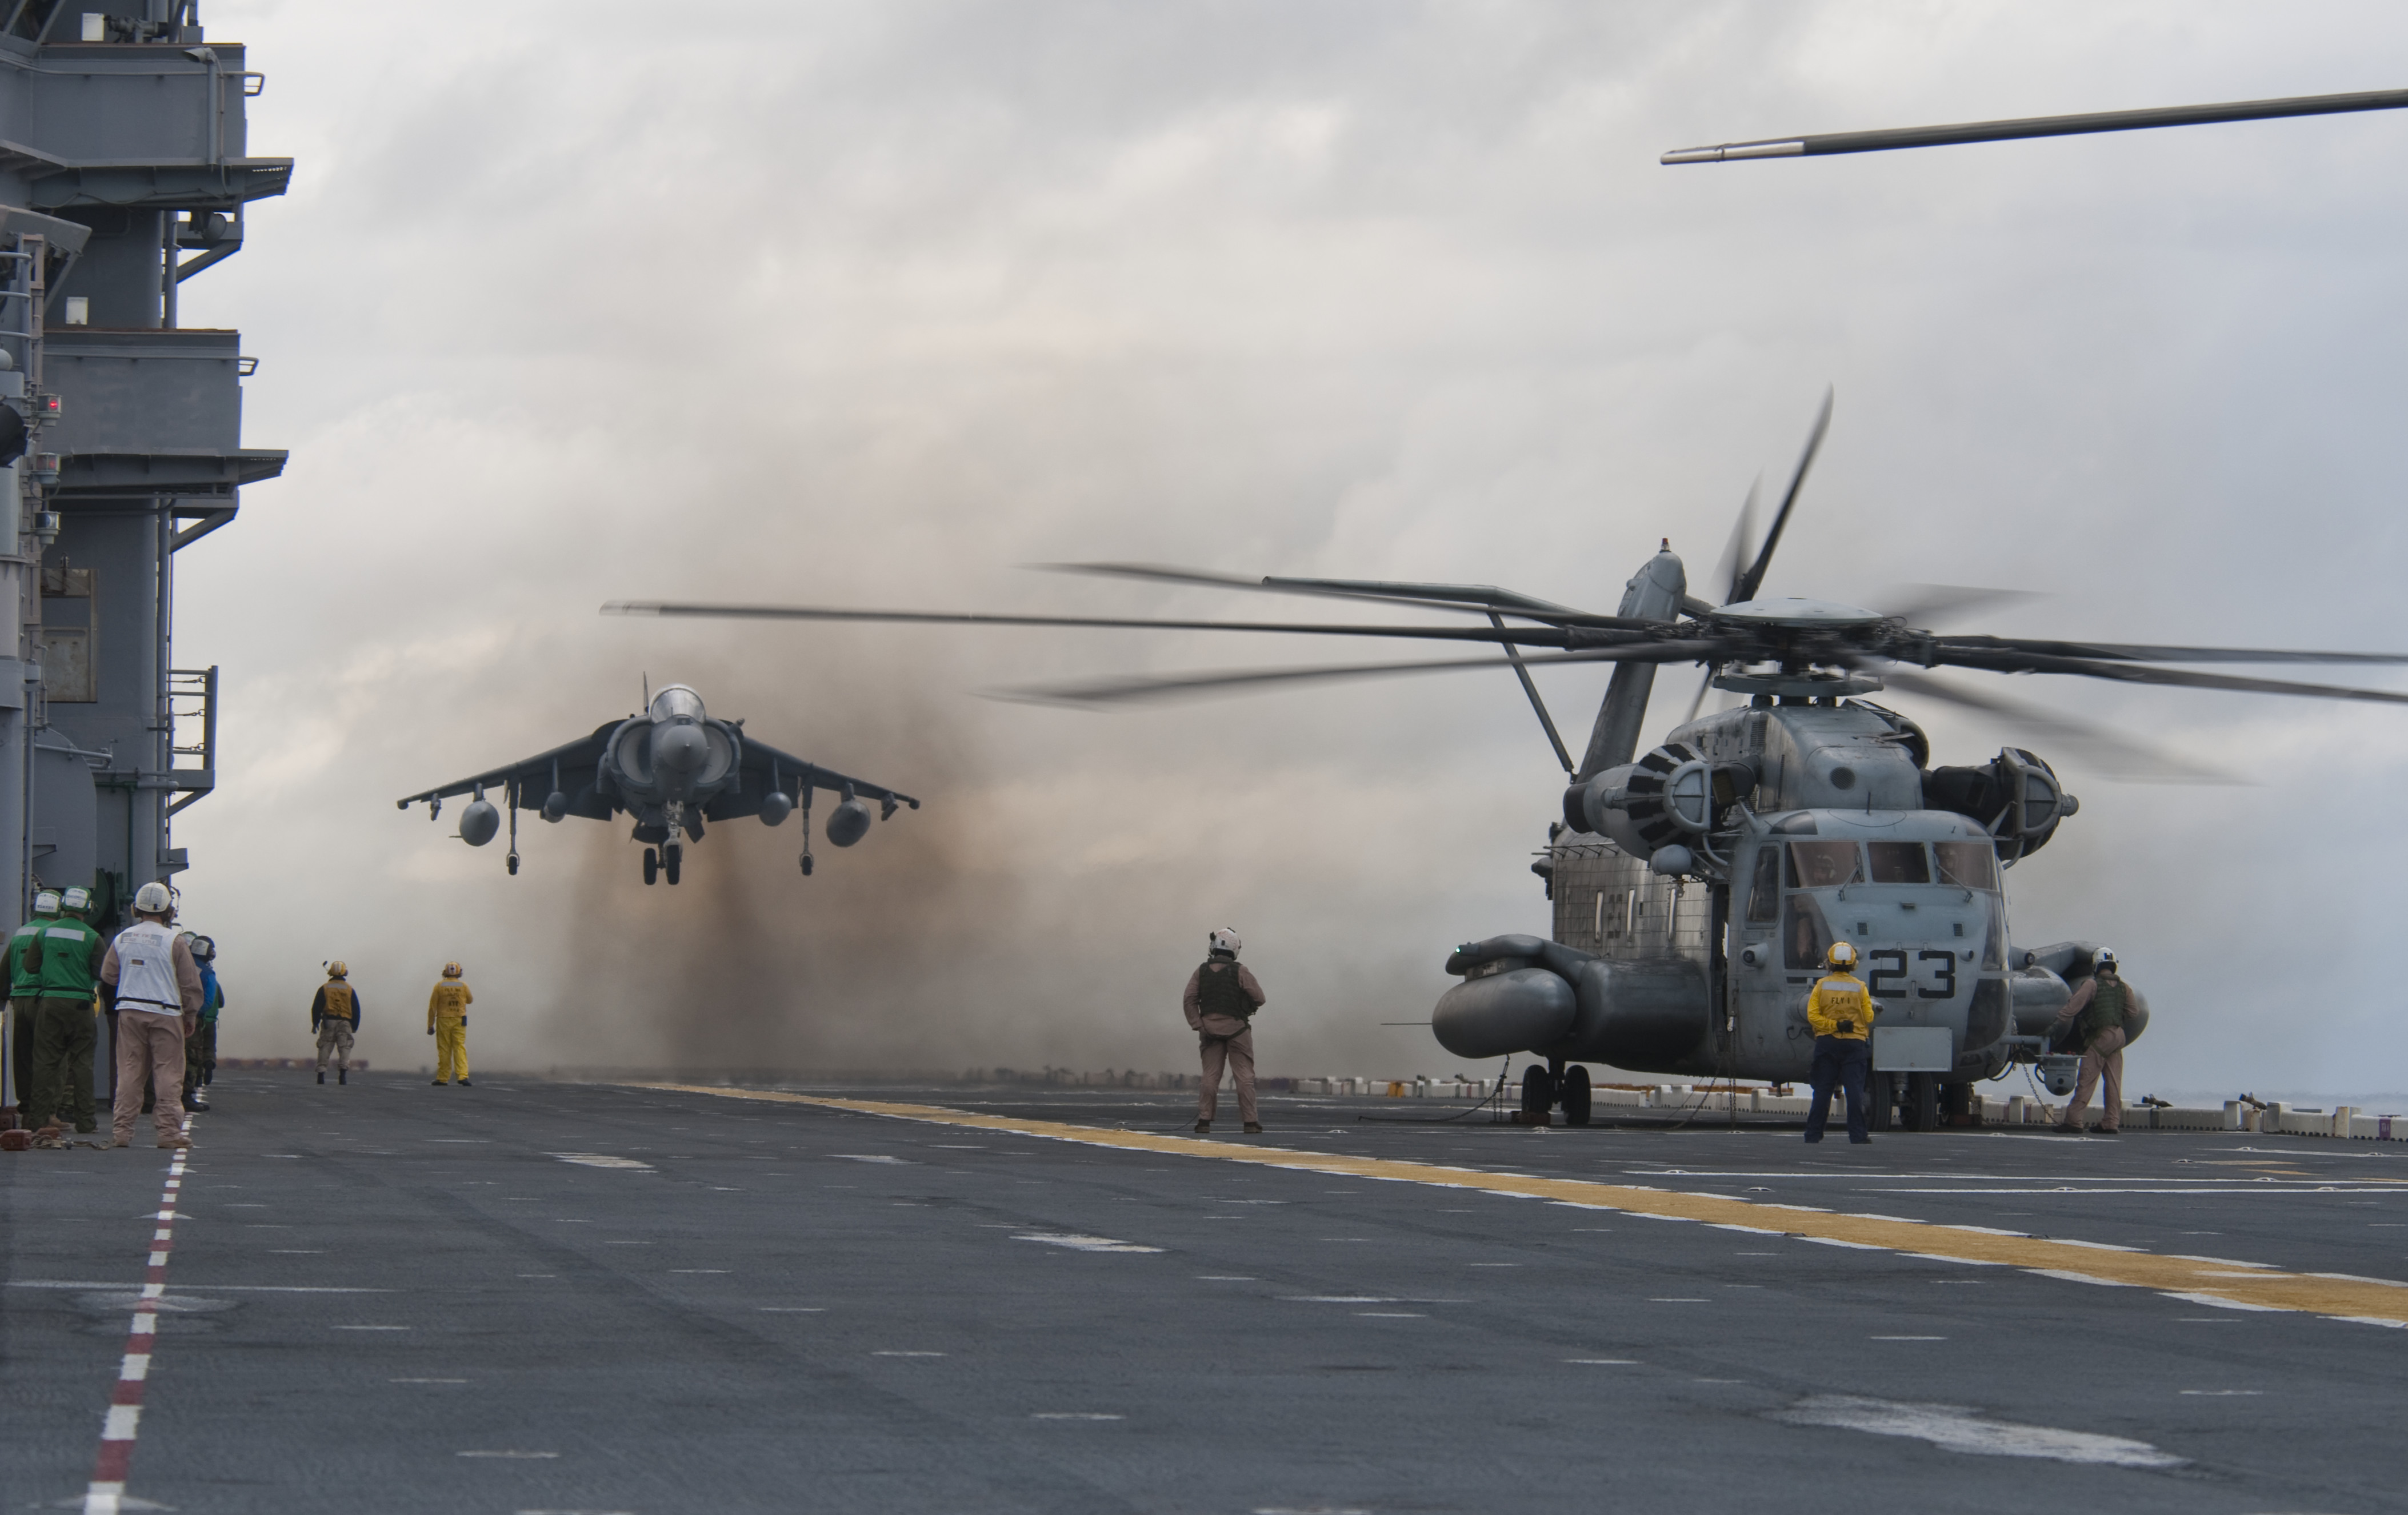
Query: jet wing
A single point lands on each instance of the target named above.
(764, 767)
(531, 779)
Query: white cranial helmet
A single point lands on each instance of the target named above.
(1225, 940)
(152, 899)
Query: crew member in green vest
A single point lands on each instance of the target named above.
(335, 1016)
(65, 959)
(25, 995)
(2098, 1010)
(1221, 1001)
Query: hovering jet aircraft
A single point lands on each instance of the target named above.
(671, 768)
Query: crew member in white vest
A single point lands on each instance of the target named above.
(149, 979)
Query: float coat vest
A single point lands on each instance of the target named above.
(67, 960)
(1219, 992)
(1839, 1007)
(24, 982)
(338, 1002)
(146, 970)
(2105, 1011)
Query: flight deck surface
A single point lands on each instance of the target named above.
(528, 1296)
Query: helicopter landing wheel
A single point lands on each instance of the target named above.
(1572, 1091)
(670, 858)
(652, 865)
(1921, 1105)
(1537, 1091)
(1881, 1097)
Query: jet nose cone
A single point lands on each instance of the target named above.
(681, 748)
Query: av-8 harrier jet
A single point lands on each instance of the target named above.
(672, 768)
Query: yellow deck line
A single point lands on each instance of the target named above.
(2374, 1301)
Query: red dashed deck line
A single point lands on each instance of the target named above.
(105, 1496)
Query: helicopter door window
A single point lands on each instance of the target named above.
(1967, 864)
(1899, 862)
(1764, 895)
(1804, 935)
(1823, 864)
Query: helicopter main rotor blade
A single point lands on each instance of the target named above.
(1134, 690)
(1918, 604)
(1456, 598)
(2140, 652)
(2178, 677)
(1754, 579)
(2076, 125)
(1525, 636)
(1728, 572)
(2111, 753)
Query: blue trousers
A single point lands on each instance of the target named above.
(1845, 1061)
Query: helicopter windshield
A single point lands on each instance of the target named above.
(1823, 864)
(1899, 862)
(1967, 864)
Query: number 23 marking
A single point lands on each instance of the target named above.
(1890, 964)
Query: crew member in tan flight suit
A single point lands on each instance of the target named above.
(1221, 1001)
(335, 1016)
(2097, 1011)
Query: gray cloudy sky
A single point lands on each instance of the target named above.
(870, 303)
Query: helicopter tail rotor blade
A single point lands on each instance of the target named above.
(2114, 754)
(1103, 694)
(1753, 580)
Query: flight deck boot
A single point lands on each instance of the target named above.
(343, 1074)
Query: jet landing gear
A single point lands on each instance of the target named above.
(652, 865)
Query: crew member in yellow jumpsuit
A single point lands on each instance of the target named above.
(1840, 1011)
(447, 1021)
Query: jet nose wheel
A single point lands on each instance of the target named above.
(652, 864)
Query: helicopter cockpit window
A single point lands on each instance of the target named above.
(1899, 862)
(1967, 864)
(1804, 937)
(1823, 865)
(1764, 895)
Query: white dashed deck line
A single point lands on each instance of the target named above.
(105, 1493)
(1955, 1428)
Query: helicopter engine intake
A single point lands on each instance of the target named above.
(2017, 797)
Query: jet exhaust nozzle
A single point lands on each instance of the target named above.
(479, 823)
(848, 823)
(775, 807)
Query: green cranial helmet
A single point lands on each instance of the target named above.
(47, 902)
(76, 901)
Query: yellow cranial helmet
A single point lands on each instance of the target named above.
(338, 970)
(1841, 956)
(450, 970)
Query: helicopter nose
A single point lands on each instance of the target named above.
(681, 748)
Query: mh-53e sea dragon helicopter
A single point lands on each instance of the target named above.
(1697, 885)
